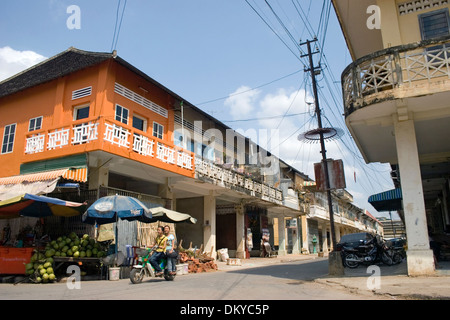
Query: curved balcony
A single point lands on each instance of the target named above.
(399, 72)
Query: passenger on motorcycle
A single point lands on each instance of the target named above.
(171, 254)
(160, 249)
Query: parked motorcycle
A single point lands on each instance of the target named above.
(144, 268)
(367, 252)
(397, 247)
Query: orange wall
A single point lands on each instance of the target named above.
(53, 101)
(129, 80)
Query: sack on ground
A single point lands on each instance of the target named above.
(223, 254)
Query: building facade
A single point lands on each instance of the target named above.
(396, 106)
(93, 119)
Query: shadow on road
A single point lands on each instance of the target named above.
(311, 270)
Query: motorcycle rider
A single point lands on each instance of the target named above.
(171, 254)
(160, 249)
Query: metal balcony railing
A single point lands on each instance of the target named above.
(396, 67)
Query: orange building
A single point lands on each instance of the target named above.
(93, 121)
(86, 103)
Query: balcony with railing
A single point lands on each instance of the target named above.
(344, 218)
(107, 135)
(207, 171)
(114, 137)
(399, 72)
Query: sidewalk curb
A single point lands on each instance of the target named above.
(395, 283)
(390, 290)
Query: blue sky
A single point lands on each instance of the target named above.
(213, 53)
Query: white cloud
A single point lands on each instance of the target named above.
(274, 132)
(269, 109)
(14, 61)
(241, 102)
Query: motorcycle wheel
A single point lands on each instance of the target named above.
(351, 264)
(136, 275)
(168, 276)
(397, 258)
(386, 259)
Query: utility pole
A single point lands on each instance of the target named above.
(335, 263)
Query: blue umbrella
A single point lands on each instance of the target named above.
(111, 208)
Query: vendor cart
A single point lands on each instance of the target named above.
(84, 264)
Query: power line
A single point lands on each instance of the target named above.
(117, 25)
(323, 27)
(266, 118)
(282, 25)
(252, 89)
(287, 46)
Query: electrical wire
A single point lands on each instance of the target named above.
(287, 46)
(118, 25)
(321, 33)
(265, 118)
(252, 89)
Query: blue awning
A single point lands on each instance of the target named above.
(390, 200)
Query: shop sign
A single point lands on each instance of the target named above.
(335, 174)
(291, 223)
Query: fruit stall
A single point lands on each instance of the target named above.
(46, 265)
(39, 235)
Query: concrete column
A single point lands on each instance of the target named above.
(281, 236)
(419, 256)
(209, 224)
(240, 231)
(324, 240)
(305, 248)
(165, 192)
(295, 238)
(98, 177)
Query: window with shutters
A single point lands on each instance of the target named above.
(158, 130)
(121, 114)
(434, 24)
(35, 124)
(8, 138)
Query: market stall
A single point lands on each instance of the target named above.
(25, 246)
(84, 252)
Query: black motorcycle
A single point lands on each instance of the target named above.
(367, 252)
(397, 249)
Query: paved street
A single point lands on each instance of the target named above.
(287, 281)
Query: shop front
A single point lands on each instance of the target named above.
(28, 243)
(256, 224)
